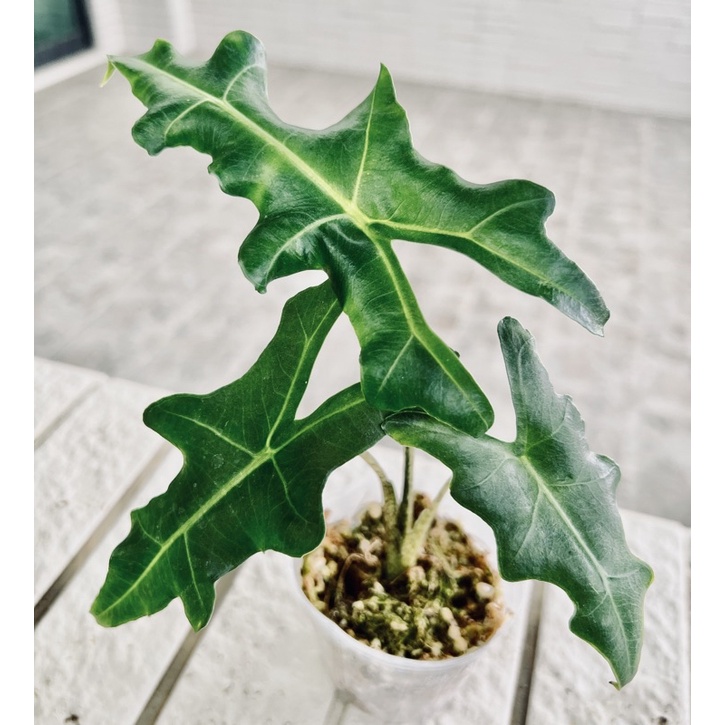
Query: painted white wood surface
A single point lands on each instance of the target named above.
(103, 675)
(570, 683)
(258, 662)
(56, 388)
(84, 467)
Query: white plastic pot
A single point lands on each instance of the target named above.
(391, 688)
(395, 689)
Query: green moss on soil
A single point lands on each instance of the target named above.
(446, 604)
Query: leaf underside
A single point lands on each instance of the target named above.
(252, 477)
(550, 502)
(335, 199)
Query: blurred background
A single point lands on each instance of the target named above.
(135, 257)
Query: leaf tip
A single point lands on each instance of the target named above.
(110, 69)
(605, 318)
(596, 327)
(596, 322)
(509, 328)
(98, 612)
(385, 78)
(198, 623)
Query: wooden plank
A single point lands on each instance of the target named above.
(96, 674)
(570, 683)
(57, 388)
(84, 468)
(259, 662)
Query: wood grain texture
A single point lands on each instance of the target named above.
(103, 675)
(57, 388)
(84, 467)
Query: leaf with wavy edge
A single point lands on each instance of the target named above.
(550, 502)
(252, 477)
(335, 199)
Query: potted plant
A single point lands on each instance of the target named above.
(253, 474)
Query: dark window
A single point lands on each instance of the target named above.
(61, 28)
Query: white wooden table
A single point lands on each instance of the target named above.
(257, 663)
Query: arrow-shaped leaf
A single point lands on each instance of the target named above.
(252, 477)
(335, 199)
(550, 502)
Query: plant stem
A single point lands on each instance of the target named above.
(414, 541)
(405, 513)
(390, 518)
(405, 537)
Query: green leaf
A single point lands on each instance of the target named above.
(550, 502)
(252, 477)
(335, 199)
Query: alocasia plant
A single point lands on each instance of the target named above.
(334, 200)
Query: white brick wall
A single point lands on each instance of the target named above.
(626, 54)
(623, 54)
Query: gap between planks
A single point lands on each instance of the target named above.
(43, 435)
(118, 509)
(528, 655)
(155, 704)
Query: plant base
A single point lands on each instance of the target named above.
(448, 603)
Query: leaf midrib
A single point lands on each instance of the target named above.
(299, 163)
(349, 206)
(469, 237)
(584, 547)
(421, 333)
(260, 458)
(309, 342)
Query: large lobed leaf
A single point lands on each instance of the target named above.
(550, 502)
(335, 199)
(252, 477)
